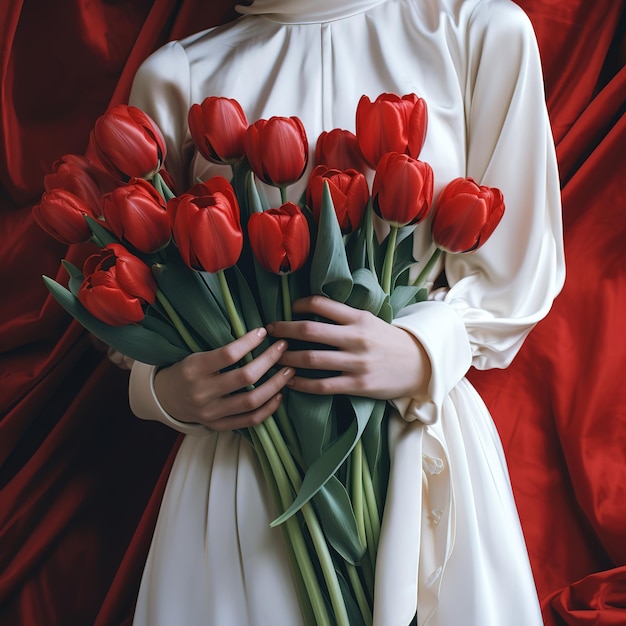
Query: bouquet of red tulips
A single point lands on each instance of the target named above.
(180, 272)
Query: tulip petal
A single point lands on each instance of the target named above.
(138, 343)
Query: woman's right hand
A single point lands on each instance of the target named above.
(197, 390)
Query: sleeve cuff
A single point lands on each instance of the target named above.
(145, 405)
(440, 330)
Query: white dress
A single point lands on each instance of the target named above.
(451, 547)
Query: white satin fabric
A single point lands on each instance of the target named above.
(451, 549)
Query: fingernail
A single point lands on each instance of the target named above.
(261, 332)
(270, 328)
(287, 371)
(281, 345)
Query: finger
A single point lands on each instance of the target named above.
(311, 331)
(232, 353)
(329, 360)
(326, 386)
(250, 419)
(250, 373)
(325, 307)
(250, 401)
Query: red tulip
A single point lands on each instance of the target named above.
(207, 226)
(278, 150)
(280, 238)
(466, 215)
(117, 286)
(348, 190)
(79, 175)
(339, 149)
(403, 189)
(128, 143)
(62, 215)
(137, 213)
(391, 124)
(218, 127)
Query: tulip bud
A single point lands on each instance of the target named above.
(137, 213)
(278, 150)
(83, 178)
(206, 224)
(62, 215)
(348, 190)
(128, 143)
(402, 191)
(218, 127)
(117, 286)
(466, 215)
(280, 238)
(391, 124)
(339, 149)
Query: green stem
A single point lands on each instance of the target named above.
(283, 452)
(388, 263)
(369, 563)
(292, 534)
(359, 594)
(356, 470)
(419, 281)
(282, 464)
(326, 564)
(284, 288)
(371, 539)
(289, 433)
(369, 236)
(317, 535)
(178, 322)
(371, 505)
(283, 194)
(231, 309)
(309, 577)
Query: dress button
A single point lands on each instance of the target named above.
(436, 515)
(433, 465)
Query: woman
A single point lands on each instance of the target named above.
(451, 550)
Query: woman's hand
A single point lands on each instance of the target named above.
(372, 358)
(196, 390)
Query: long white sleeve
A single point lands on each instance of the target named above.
(499, 292)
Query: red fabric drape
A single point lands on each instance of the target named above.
(81, 478)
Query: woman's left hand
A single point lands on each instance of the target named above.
(372, 358)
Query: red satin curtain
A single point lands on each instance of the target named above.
(81, 478)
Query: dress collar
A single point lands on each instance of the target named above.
(307, 11)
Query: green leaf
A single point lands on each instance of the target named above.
(76, 276)
(132, 340)
(403, 258)
(101, 234)
(323, 467)
(330, 271)
(372, 435)
(376, 447)
(311, 416)
(188, 293)
(356, 249)
(268, 285)
(249, 308)
(153, 321)
(367, 294)
(404, 295)
(254, 198)
(355, 618)
(334, 508)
